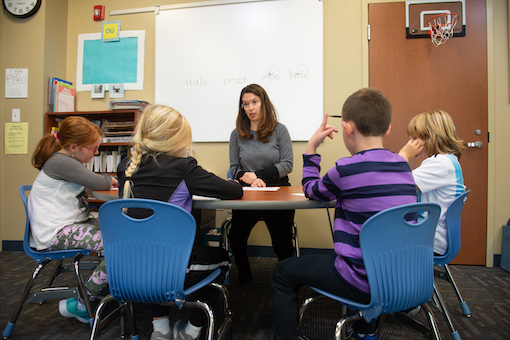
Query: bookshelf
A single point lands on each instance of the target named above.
(119, 117)
(117, 127)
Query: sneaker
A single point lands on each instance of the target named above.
(357, 336)
(156, 335)
(69, 309)
(179, 331)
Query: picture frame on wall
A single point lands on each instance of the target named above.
(97, 91)
(116, 90)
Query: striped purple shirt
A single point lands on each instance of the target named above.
(364, 184)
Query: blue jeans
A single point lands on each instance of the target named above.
(309, 270)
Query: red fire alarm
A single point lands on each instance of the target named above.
(98, 12)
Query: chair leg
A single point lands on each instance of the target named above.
(432, 322)
(101, 321)
(209, 332)
(296, 239)
(132, 322)
(82, 289)
(340, 326)
(463, 304)
(55, 272)
(454, 333)
(307, 303)
(15, 314)
(226, 325)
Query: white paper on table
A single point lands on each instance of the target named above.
(298, 194)
(204, 198)
(261, 188)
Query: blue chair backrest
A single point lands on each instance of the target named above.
(41, 255)
(398, 257)
(146, 259)
(453, 218)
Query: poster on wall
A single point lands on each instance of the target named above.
(112, 62)
(16, 83)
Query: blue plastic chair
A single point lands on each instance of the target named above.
(453, 218)
(147, 258)
(398, 257)
(42, 258)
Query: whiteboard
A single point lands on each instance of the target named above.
(205, 56)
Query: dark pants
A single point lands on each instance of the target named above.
(207, 256)
(309, 270)
(278, 222)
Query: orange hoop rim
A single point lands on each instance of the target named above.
(455, 18)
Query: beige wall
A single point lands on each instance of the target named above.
(40, 44)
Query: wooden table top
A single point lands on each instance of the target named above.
(290, 197)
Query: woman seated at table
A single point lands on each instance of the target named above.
(162, 168)
(260, 156)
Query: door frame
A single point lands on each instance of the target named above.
(491, 223)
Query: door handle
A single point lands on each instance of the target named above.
(476, 144)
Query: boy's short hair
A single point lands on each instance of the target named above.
(370, 110)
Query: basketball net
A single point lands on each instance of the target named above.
(441, 27)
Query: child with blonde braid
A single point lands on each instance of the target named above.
(162, 168)
(58, 204)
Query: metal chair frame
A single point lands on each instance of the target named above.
(398, 257)
(146, 260)
(453, 224)
(43, 258)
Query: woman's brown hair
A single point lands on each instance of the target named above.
(73, 130)
(269, 118)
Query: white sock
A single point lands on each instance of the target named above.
(192, 330)
(161, 325)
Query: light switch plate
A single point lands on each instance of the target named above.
(16, 113)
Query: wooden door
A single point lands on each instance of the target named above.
(418, 77)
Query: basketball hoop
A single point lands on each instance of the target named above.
(441, 27)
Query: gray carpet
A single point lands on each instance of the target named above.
(486, 290)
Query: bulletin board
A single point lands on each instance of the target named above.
(111, 62)
(205, 56)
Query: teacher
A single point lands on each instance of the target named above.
(260, 156)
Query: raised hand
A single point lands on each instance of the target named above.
(318, 137)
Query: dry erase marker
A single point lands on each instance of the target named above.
(335, 116)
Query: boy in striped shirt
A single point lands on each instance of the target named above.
(371, 180)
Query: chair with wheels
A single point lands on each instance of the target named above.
(43, 258)
(146, 261)
(453, 218)
(398, 257)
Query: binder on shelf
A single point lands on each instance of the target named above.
(64, 97)
(123, 104)
(51, 89)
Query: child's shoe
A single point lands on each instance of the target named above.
(156, 335)
(72, 308)
(179, 331)
(358, 336)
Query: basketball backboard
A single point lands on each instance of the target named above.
(419, 11)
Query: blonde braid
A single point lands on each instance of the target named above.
(132, 168)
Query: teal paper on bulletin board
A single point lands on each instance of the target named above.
(110, 62)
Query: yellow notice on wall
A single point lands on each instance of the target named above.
(16, 138)
(110, 31)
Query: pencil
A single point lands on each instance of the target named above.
(335, 116)
(237, 167)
